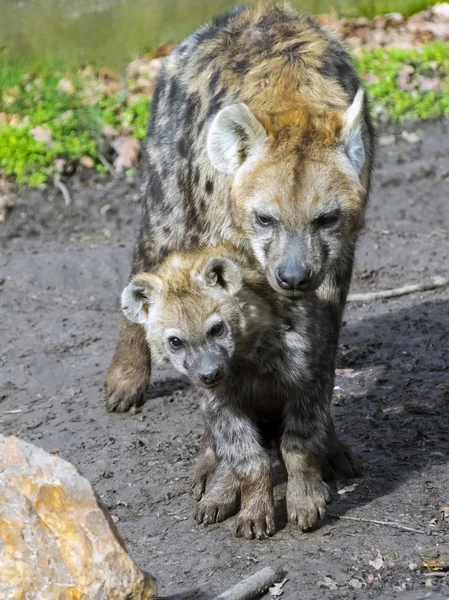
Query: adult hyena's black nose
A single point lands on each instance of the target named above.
(210, 376)
(293, 277)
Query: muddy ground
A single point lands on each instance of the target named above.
(62, 270)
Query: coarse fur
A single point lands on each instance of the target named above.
(255, 115)
(260, 136)
(212, 314)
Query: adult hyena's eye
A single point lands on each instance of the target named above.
(328, 219)
(265, 221)
(217, 330)
(175, 342)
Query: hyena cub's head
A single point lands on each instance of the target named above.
(196, 312)
(299, 186)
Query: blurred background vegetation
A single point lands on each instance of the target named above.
(70, 98)
(112, 32)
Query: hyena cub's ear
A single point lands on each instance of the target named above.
(352, 132)
(223, 274)
(234, 135)
(139, 295)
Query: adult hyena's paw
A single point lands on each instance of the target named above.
(256, 520)
(340, 463)
(122, 394)
(306, 501)
(216, 506)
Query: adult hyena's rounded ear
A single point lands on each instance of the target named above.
(139, 296)
(234, 135)
(223, 274)
(352, 133)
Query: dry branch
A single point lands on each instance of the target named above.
(384, 523)
(433, 284)
(63, 189)
(253, 586)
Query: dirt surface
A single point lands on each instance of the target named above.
(62, 270)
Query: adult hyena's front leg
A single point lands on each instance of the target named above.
(130, 369)
(303, 446)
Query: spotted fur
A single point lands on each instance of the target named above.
(270, 384)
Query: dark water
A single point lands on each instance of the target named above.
(111, 32)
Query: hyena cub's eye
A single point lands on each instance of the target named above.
(328, 220)
(265, 221)
(217, 330)
(175, 342)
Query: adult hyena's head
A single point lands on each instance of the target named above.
(299, 186)
(198, 312)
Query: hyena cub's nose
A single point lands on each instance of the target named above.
(293, 277)
(210, 376)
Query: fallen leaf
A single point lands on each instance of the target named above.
(404, 78)
(65, 86)
(87, 162)
(128, 150)
(444, 386)
(356, 584)
(387, 140)
(42, 134)
(410, 138)
(350, 373)
(348, 488)
(327, 582)
(445, 511)
(436, 565)
(377, 563)
(276, 589)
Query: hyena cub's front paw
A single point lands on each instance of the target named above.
(204, 473)
(256, 519)
(221, 501)
(307, 497)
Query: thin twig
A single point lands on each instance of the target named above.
(375, 522)
(104, 161)
(63, 189)
(253, 586)
(433, 284)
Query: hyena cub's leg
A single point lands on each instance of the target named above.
(130, 369)
(244, 466)
(206, 465)
(303, 444)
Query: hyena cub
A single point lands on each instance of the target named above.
(213, 315)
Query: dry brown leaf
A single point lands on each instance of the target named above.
(42, 134)
(377, 563)
(387, 140)
(128, 150)
(356, 584)
(347, 489)
(65, 86)
(439, 564)
(445, 511)
(276, 589)
(404, 78)
(327, 582)
(410, 138)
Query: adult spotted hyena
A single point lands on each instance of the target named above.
(260, 136)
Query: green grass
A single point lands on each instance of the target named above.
(428, 61)
(76, 120)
